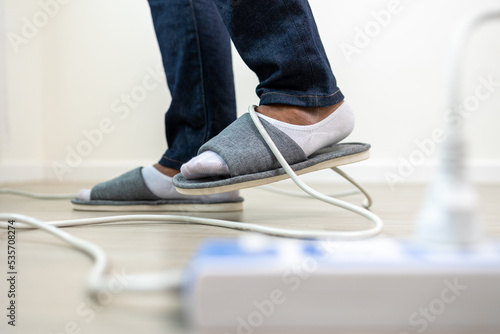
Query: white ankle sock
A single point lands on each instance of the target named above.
(206, 164)
(161, 185)
(333, 129)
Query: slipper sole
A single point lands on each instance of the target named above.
(209, 186)
(114, 206)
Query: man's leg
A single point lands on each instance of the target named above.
(196, 54)
(279, 41)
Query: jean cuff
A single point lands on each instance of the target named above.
(170, 163)
(302, 100)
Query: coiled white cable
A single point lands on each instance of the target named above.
(97, 281)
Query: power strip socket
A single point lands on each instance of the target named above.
(266, 285)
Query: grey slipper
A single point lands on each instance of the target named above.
(251, 163)
(128, 192)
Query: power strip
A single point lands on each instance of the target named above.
(261, 284)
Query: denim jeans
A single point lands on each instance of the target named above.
(277, 39)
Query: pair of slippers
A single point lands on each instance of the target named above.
(251, 163)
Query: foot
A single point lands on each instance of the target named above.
(297, 115)
(311, 128)
(158, 179)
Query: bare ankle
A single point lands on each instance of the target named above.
(297, 115)
(166, 170)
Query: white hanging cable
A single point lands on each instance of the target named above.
(292, 193)
(378, 224)
(367, 202)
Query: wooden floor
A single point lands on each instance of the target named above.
(51, 275)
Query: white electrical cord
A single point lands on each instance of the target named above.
(448, 217)
(378, 224)
(276, 190)
(98, 282)
(291, 193)
(367, 202)
(36, 195)
(95, 252)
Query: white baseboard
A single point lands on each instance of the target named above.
(21, 172)
(28, 171)
(371, 171)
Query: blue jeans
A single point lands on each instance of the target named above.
(277, 39)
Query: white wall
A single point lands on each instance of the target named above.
(65, 78)
(4, 135)
(24, 158)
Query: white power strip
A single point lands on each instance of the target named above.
(269, 285)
